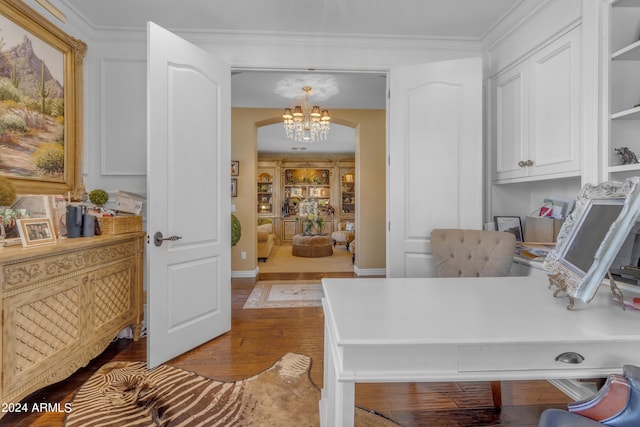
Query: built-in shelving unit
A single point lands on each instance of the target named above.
(306, 185)
(623, 85)
(288, 188)
(347, 192)
(265, 193)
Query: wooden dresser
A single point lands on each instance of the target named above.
(63, 304)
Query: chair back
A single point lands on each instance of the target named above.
(472, 253)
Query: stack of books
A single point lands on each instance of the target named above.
(534, 251)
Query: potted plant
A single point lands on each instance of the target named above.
(236, 230)
(7, 192)
(98, 197)
(8, 216)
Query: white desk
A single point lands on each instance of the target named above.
(453, 329)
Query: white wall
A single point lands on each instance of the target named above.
(115, 82)
(115, 73)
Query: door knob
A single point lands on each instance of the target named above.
(158, 238)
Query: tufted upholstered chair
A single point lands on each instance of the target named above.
(474, 253)
(470, 253)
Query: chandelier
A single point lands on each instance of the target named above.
(306, 123)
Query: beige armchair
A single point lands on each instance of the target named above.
(344, 234)
(266, 241)
(474, 253)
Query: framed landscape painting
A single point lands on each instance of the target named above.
(40, 103)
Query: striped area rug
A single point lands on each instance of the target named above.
(127, 394)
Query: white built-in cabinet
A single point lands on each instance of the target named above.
(623, 80)
(536, 105)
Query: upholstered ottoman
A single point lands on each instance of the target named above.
(312, 246)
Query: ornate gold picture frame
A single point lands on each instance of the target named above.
(41, 104)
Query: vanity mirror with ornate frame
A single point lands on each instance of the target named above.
(591, 237)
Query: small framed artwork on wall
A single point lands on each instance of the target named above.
(234, 187)
(235, 168)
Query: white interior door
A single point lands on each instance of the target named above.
(188, 146)
(435, 148)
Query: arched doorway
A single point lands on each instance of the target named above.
(367, 116)
(295, 174)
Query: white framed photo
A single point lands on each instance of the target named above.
(36, 231)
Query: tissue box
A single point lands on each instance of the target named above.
(539, 229)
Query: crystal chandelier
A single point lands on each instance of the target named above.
(306, 123)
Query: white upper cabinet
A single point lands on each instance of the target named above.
(623, 82)
(536, 105)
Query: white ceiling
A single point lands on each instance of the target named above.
(255, 89)
(427, 19)
(460, 19)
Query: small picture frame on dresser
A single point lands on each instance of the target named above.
(36, 232)
(510, 224)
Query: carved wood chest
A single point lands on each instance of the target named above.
(63, 304)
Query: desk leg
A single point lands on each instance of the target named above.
(338, 397)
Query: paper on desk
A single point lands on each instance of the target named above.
(536, 251)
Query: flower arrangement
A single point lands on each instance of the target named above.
(310, 221)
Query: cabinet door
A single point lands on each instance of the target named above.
(42, 330)
(289, 229)
(510, 111)
(554, 140)
(537, 114)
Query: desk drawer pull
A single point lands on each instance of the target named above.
(570, 357)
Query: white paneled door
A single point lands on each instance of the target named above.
(435, 164)
(188, 149)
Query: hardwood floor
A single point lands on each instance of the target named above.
(259, 337)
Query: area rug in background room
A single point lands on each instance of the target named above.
(127, 394)
(281, 260)
(274, 294)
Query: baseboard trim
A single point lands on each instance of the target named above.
(370, 271)
(575, 389)
(245, 274)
